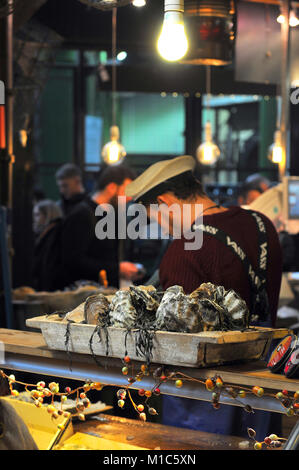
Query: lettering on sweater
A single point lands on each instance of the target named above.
(206, 228)
(263, 258)
(236, 248)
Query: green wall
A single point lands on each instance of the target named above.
(56, 127)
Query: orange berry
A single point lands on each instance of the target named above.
(98, 386)
(210, 384)
(258, 445)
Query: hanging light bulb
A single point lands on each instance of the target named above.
(208, 153)
(280, 19)
(275, 152)
(113, 152)
(173, 42)
(293, 19)
(139, 3)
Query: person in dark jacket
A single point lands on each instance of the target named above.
(84, 254)
(70, 185)
(47, 220)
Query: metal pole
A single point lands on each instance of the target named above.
(285, 89)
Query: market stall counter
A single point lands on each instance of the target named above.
(28, 352)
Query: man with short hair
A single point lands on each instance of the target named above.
(172, 182)
(70, 185)
(84, 254)
(258, 181)
(247, 194)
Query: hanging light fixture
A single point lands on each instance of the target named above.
(139, 3)
(293, 18)
(275, 151)
(113, 152)
(172, 42)
(208, 152)
(210, 26)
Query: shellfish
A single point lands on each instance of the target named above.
(96, 310)
(122, 313)
(177, 313)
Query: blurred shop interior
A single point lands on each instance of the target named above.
(62, 109)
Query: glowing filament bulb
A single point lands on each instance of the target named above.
(139, 3)
(113, 152)
(275, 153)
(208, 152)
(173, 42)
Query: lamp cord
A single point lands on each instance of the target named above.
(114, 34)
(208, 87)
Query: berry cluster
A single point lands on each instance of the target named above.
(214, 384)
(272, 441)
(291, 404)
(39, 392)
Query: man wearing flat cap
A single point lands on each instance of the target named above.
(172, 182)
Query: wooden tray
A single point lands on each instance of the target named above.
(183, 349)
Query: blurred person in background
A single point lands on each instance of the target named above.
(38, 195)
(85, 255)
(247, 194)
(70, 185)
(258, 181)
(47, 221)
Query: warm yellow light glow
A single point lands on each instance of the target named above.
(139, 3)
(293, 20)
(208, 152)
(173, 42)
(275, 152)
(113, 152)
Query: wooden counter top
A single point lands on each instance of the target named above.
(249, 374)
(156, 436)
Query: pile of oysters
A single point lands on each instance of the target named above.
(208, 308)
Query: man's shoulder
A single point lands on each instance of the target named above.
(84, 209)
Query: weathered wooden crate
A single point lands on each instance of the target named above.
(182, 349)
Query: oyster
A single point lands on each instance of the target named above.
(237, 310)
(207, 308)
(220, 309)
(145, 296)
(76, 315)
(122, 313)
(96, 310)
(177, 313)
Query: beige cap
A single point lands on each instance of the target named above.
(158, 173)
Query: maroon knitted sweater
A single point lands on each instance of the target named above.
(215, 262)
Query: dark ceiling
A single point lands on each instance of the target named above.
(84, 27)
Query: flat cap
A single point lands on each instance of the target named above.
(157, 174)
